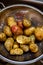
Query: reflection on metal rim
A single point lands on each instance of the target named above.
(22, 5)
(25, 62)
(34, 1)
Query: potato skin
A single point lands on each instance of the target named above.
(32, 38)
(25, 48)
(29, 31)
(16, 51)
(26, 23)
(11, 21)
(16, 30)
(20, 23)
(39, 33)
(15, 45)
(9, 43)
(2, 37)
(21, 39)
(7, 31)
(33, 47)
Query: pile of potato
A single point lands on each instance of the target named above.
(19, 37)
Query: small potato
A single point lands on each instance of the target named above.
(33, 48)
(29, 31)
(7, 31)
(26, 23)
(42, 27)
(16, 51)
(9, 43)
(21, 39)
(15, 45)
(31, 42)
(20, 23)
(32, 38)
(25, 48)
(16, 30)
(11, 21)
(2, 37)
(39, 33)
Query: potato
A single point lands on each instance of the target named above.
(21, 39)
(29, 31)
(15, 45)
(9, 43)
(11, 21)
(7, 31)
(33, 48)
(16, 51)
(16, 30)
(26, 23)
(25, 48)
(32, 38)
(39, 33)
(2, 37)
(20, 23)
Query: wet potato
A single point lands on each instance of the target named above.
(7, 31)
(16, 51)
(21, 39)
(32, 38)
(16, 30)
(2, 37)
(26, 23)
(33, 47)
(20, 23)
(25, 48)
(15, 45)
(11, 21)
(9, 43)
(29, 31)
(39, 33)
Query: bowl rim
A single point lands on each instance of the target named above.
(15, 5)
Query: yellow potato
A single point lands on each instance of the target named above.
(33, 48)
(39, 33)
(32, 38)
(42, 27)
(16, 51)
(9, 43)
(25, 48)
(11, 21)
(2, 37)
(31, 42)
(7, 31)
(15, 45)
(26, 23)
(21, 39)
(29, 31)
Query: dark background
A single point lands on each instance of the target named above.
(10, 2)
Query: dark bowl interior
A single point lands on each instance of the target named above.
(37, 20)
